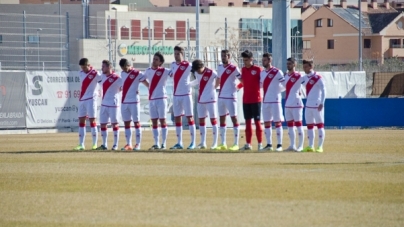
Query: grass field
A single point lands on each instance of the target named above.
(357, 181)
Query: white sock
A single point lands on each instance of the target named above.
(128, 136)
(164, 133)
(279, 134)
(104, 135)
(82, 135)
(223, 133)
(156, 136)
(94, 134)
(310, 135)
(192, 131)
(178, 130)
(268, 135)
(202, 129)
(321, 136)
(292, 136)
(236, 132)
(300, 133)
(215, 135)
(138, 133)
(116, 136)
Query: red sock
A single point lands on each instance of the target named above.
(258, 131)
(248, 131)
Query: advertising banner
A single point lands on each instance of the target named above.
(12, 100)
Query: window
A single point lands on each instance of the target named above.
(33, 39)
(319, 23)
(330, 22)
(1, 38)
(367, 43)
(135, 29)
(306, 44)
(124, 32)
(180, 31)
(330, 44)
(395, 43)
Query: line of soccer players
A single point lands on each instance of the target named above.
(186, 75)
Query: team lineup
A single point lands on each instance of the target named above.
(228, 78)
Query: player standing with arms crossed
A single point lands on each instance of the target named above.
(314, 111)
(227, 103)
(88, 102)
(208, 81)
(111, 87)
(157, 78)
(130, 108)
(294, 105)
(271, 81)
(182, 99)
(250, 79)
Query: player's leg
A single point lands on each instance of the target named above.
(291, 128)
(222, 113)
(248, 127)
(258, 126)
(138, 131)
(267, 117)
(178, 109)
(92, 110)
(154, 118)
(82, 125)
(232, 108)
(319, 116)
(310, 121)
(104, 118)
(127, 119)
(202, 113)
(212, 110)
(189, 112)
(278, 119)
(298, 118)
(115, 126)
(162, 111)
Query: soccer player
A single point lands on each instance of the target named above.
(250, 79)
(227, 103)
(208, 81)
(314, 111)
(182, 99)
(271, 81)
(111, 87)
(294, 105)
(130, 108)
(157, 78)
(88, 102)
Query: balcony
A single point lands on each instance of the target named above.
(396, 51)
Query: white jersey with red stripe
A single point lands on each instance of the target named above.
(130, 88)
(315, 89)
(228, 80)
(293, 84)
(207, 89)
(272, 83)
(89, 84)
(181, 72)
(157, 79)
(111, 87)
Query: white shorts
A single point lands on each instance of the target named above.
(87, 108)
(227, 106)
(207, 108)
(109, 115)
(130, 112)
(182, 105)
(158, 108)
(294, 114)
(313, 116)
(272, 112)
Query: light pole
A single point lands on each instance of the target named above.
(37, 39)
(116, 34)
(296, 43)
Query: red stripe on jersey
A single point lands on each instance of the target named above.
(87, 81)
(312, 81)
(155, 80)
(292, 80)
(204, 80)
(128, 82)
(178, 74)
(107, 83)
(225, 75)
(268, 79)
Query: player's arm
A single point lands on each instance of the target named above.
(193, 83)
(281, 80)
(323, 93)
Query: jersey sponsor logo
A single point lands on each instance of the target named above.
(253, 72)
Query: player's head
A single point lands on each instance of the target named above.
(267, 60)
(84, 65)
(158, 60)
(198, 66)
(106, 67)
(307, 66)
(291, 64)
(178, 53)
(225, 54)
(247, 58)
(125, 64)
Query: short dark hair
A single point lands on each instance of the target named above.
(292, 59)
(197, 64)
(247, 54)
(160, 56)
(267, 55)
(124, 62)
(180, 49)
(83, 61)
(107, 63)
(227, 52)
(308, 62)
